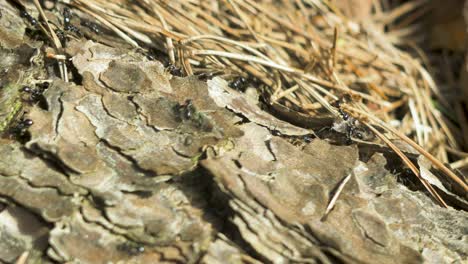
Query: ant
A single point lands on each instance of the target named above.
(307, 138)
(186, 110)
(239, 83)
(61, 35)
(67, 14)
(30, 19)
(91, 26)
(350, 126)
(73, 29)
(67, 26)
(353, 131)
(174, 70)
(154, 54)
(66, 17)
(131, 249)
(337, 104)
(275, 132)
(21, 127)
(343, 114)
(35, 93)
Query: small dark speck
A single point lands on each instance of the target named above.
(130, 249)
(275, 133)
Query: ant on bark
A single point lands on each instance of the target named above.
(28, 17)
(186, 110)
(350, 126)
(35, 93)
(19, 130)
(131, 248)
(239, 83)
(67, 26)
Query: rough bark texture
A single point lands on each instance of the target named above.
(135, 165)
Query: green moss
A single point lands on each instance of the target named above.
(10, 105)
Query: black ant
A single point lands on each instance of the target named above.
(91, 26)
(174, 70)
(275, 133)
(35, 93)
(73, 29)
(350, 126)
(30, 19)
(21, 127)
(307, 138)
(131, 249)
(61, 35)
(26, 123)
(67, 26)
(66, 17)
(239, 83)
(186, 110)
(44, 85)
(353, 131)
(343, 114)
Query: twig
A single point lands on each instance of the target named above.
(460, 163)
(22, 258)
(55, 41)
(337, 193)
(333, 49)
(170, 45)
